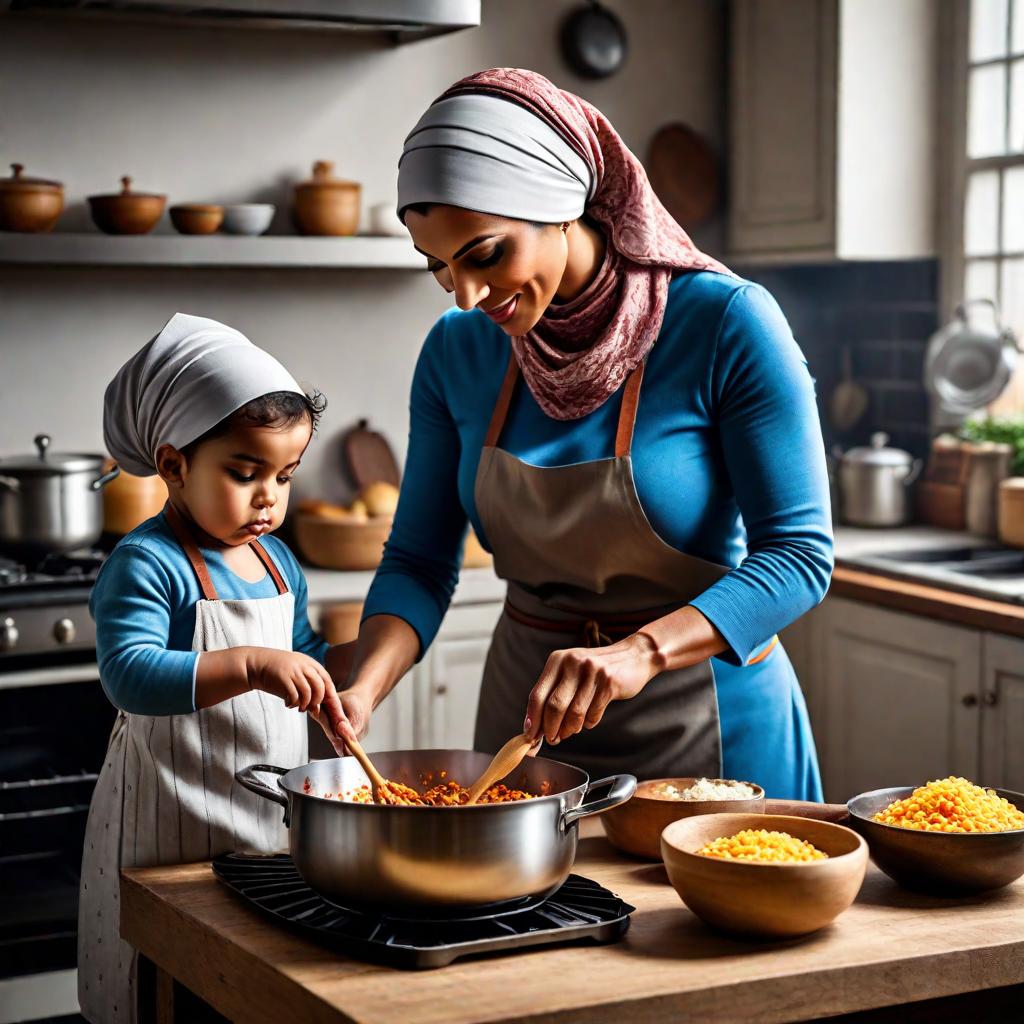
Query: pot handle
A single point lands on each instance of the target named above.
(622, 787)
(10, 483)
(102, 481)
(915, 471)
(247, 777)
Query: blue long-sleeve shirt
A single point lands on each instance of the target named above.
(727, 453)
(144, 605)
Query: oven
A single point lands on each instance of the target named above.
(55, 722)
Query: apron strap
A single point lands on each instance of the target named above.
(188, 544)
(508, 387)
(264, 556)
(627, 411)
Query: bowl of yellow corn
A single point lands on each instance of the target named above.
(764, 875)
(949, 837)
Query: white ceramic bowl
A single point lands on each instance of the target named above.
(247, 218)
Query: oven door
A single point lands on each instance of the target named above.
(55, 723)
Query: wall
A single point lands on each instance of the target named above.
(883, 314)
(234, 115)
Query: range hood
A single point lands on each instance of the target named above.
(404, 19)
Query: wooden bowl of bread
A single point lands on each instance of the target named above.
(347, 537)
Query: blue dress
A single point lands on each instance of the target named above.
(729, 466)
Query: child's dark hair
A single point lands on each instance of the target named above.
(278, 410)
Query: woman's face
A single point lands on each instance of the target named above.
(510, 269)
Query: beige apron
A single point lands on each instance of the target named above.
(585, 567)
(167, 792)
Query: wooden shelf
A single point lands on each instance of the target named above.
(224, 251)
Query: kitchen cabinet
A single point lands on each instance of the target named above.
(1002, 719)
(898, 699)
(446, 683)
(832, 130)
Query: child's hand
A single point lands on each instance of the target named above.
(299, 680)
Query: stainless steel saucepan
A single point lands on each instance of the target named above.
(423, 861)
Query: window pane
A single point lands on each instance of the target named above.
(1017, 103)
(1013, 210)
(1011, 303)
(986, 115)
(1017, 46)
(988, 28)
(980, 280)
(981, 216)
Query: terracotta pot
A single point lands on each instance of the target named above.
(127, 212)
(196, 218)
(130, 500)
(326, 205)
(1011, 511)
(29, 204)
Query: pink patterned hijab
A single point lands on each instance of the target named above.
(580, 352)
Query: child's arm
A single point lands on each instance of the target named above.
(132, 603)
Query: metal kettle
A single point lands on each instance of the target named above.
(875, 483)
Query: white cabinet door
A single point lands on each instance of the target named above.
(391, 726)
(448, 683)
(783, 125)
(1002, 730)
(903, 699)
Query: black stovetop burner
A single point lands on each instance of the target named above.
(580, 910)
(65, 569)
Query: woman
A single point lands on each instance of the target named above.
(655, 494)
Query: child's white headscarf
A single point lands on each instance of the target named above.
(193, 374)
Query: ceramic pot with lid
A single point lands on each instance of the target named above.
(29, 204)
(127, 212)
(874, 484)
(326, 205)
(51, 501)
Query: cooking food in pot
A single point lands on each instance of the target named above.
(758, 844)
(445, 794)
(952, 804)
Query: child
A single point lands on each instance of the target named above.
(202, 633)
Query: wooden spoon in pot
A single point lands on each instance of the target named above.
(505, 760)
(378, 784)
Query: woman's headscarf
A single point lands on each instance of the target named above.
(193, 374)
(473, 148)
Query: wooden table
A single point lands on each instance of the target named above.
(891, 947)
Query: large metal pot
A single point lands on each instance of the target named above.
(51, 502)
(874, 484)
(422, 861)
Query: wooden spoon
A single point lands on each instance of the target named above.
(378, 784)
(505, 760)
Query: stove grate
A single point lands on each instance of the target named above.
(579, 911)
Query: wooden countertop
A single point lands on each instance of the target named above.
(889, 948)
(861, 584)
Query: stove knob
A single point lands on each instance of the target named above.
(64, 631)
(8, 634)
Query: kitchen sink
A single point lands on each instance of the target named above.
(991, 570)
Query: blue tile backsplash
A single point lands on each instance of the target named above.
(885, 313)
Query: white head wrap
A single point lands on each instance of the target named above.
(193, 374)
(491, 155)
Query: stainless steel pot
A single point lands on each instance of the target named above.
(51, 502)
(422, 861)
(874, 484)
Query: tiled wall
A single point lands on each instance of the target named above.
(885, 313)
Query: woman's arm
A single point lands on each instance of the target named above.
(763, 397)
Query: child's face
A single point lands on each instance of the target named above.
(236, 487)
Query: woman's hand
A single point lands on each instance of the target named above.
(577, 685)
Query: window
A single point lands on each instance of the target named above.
(991, 153)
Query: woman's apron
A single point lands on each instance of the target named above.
(586, 568)
(167, 792)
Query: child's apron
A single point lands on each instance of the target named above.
(167, 792)
(586, 568)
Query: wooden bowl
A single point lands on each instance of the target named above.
(635, 827)
(326, 205)
(127, 212)
(30, 205)
(771, 901)
(940, 863)
(341, 543)
(196, 218)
